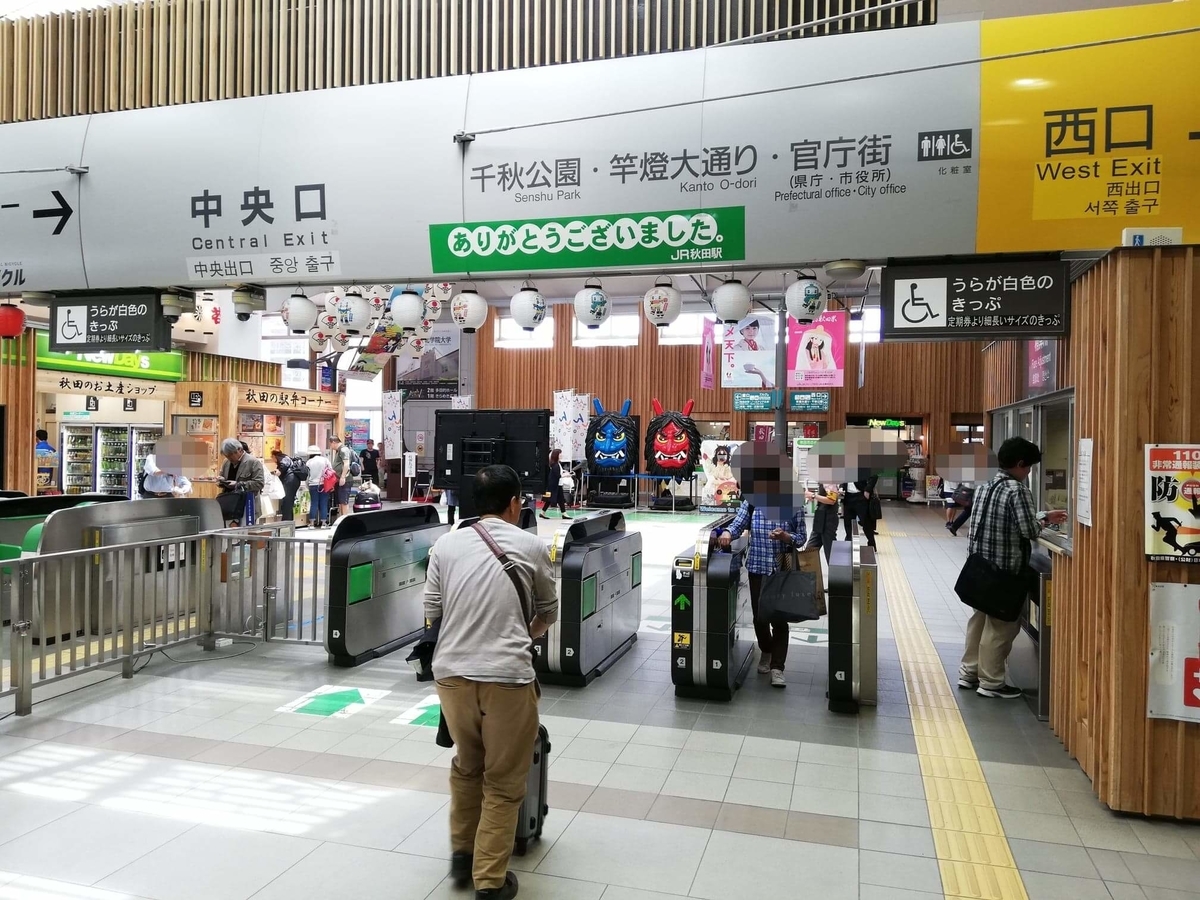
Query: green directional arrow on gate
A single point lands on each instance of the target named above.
(332, 703)
(682, 601)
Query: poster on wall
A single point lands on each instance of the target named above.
(465, 401)
(1173, 688)
(250, 423)
(1172, 520)
(1083, 482)
(271, 443)
(721, 490)
(748, 353)
(393, 424)
(817, 351)
(272, 424)
(358, 430)
(708, 350)
(254, 442)
(427, 368)
(201, 425)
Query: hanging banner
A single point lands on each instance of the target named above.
(427, 367)
(393, 424)
(580, 414)
(464, 401)
(748, 353)
(560, 424)
(1173, 688)
(817, 351)
(1172, 520)
(708, 349)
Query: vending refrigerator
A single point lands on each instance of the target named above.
(104, 458)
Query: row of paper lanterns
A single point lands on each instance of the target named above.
(352, 312)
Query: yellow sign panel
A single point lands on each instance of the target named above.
(1078, 145)
(683, 640)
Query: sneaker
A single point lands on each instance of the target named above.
(777, 679)
(543, 516)
(968, 684)
(950, 528)
(1004, 692)
(507, 892)
(764, 664)
(461, 864)
(564, 516)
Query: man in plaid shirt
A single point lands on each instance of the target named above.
(1002, 527)
(774, 528)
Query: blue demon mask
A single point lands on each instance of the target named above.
(612, 441)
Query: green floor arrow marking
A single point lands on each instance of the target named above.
(329, 704)
(430, 716)
(682, 601)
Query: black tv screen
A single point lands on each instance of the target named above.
(466, 440)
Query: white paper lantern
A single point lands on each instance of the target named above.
(662, 303)
(591, 304)
(805, 299)
(339, 341)
(408, 309)
(327, 322)
(378, 297)
(354, 314)
(468, 311)
(317, 339)
(528, 307)
(436, 296)
(731, 301)
(334, 299)
(299, 313)
(208, 311)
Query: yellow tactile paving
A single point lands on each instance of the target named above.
(973, 854)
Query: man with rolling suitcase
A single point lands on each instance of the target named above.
(492, 588)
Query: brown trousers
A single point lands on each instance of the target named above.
(494, 727)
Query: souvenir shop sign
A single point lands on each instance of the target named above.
(808, 401)
(282, 398)
(591, 242)
(154, 366)
(1173, 688)
(103, 386)
(976, 301)
(120, 322)
(1172, 519)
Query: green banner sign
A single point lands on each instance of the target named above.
(753, 401)
(592, 242)
(808, 401)
(154, 366)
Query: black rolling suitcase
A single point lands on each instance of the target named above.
(535, 807)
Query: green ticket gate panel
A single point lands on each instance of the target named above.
(712, 629)
(377, 564)
(598, 566)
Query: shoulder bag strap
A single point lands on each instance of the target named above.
(510, 567)
(981, 507)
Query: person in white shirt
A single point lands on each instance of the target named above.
(318, 507)
(163, 484)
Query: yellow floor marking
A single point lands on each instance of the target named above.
(973, 853)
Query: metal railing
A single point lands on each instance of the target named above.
(81, 610)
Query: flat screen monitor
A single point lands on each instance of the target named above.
(466, 440)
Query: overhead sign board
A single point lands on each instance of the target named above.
(114, 323)
(976, 301)
(808, 401)
(161, 366)
(753, 401)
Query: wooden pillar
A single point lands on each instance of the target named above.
(18, 396)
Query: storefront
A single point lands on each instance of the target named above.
(908, 479)
(104, 412)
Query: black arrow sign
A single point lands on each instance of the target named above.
(62, 211)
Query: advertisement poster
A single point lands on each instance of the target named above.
(560, 423)
(465, 401)
(708, 350)
(1173, 688)
(1041, 360)
(764, 434)
(1172, 520)
(748, 353)
(250, 423)
(1083, 482)
(581, 412)
(427, 368)
(721, 490)
(272, 424)
(393, 424)
(817, 351)
(357, 432)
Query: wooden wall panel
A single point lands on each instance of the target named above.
(1004, 371)
(1135, 325)
(929, 380)
(158, 52)
(18, 396)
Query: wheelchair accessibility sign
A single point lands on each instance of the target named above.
(921, 303)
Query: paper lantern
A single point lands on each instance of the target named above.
(299, 313)
(12, 321)
(327, 322)
(662, 303)
(591, 304)
(436, 296)
(408, 309)
(334, 299)
(805, 299)
(528, 307)
(339, 341)
(317, 339)
(208, 311)
(354, 313)
(468, 311)
(378, 296)
(731, 301)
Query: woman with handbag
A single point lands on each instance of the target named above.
(558, 478)
(318, 507)
(769, 538)
(958, 507)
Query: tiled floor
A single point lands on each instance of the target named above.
(187, 784)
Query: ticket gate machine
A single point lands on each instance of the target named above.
(377, 563)
(527, 522)
(712, 627)
(598, 568)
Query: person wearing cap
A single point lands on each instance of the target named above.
(318, 506)
(340, 459)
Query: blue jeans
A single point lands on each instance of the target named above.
(318, 510)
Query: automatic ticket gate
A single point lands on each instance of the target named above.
(598, 569)
(712, 628)
(853, 627)
(527, 521)
(377, 563)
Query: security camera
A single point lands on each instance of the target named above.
(247, 301)
(172, 306)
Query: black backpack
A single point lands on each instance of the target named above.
(355, 465)
(299, 468)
